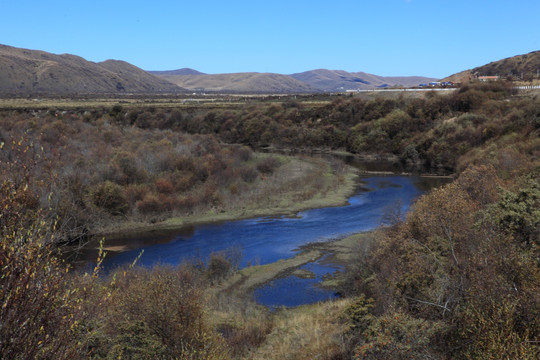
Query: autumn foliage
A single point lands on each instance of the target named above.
(458, 277)
(459, 273)
(92, 173)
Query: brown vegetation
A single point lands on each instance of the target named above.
(459, 277)
(98, 170)
(47, 311)
(437, 133)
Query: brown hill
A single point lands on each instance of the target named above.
(339, 80)
(462, 77)
(520, 67)
(25, 71)
(523, 67)
(240, 83)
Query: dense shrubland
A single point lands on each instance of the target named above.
(94, 174)
(435, 133)
(458, 277)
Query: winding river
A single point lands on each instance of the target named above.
(269, 239)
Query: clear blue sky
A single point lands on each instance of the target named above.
(383, 37)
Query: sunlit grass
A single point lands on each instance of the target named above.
(306, 332)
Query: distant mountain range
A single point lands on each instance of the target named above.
(339, 80)
(24, 72)
(320, 80)
(249, 82)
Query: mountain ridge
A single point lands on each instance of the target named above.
(248, 82)
(24, 71)
(319, 80)
(339, 80)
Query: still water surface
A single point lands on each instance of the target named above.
(266, 240)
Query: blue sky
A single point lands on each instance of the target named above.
(384, 37)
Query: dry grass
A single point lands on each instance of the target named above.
(315, 331)
(127, 103)
(307, 332)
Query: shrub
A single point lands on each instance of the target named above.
(396, 122)
(233, 188)
(42, 313)
(268, 165)
(175, 118)
(160, 312)
(131, 116)
(164, 186)
(30, 324)
(127, 168)
(399, 336)
(184, 163)
(183, 181)
(110, 196)
(133, 340)
(244, 153)
(218, 266)
(144, 120)
(410, 155)
(186, 203)
(134, 193)
(211, 194)
(249, 174)
(149, 205)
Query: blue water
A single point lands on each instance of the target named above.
(293, 291)
(266, 240)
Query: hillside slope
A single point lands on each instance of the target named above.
(25, 71)
(339, 80)
(526, 66)
(519, 67)
(240, 83)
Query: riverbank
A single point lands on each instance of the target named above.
(301, 183)
(265, 240)
(302, 332)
